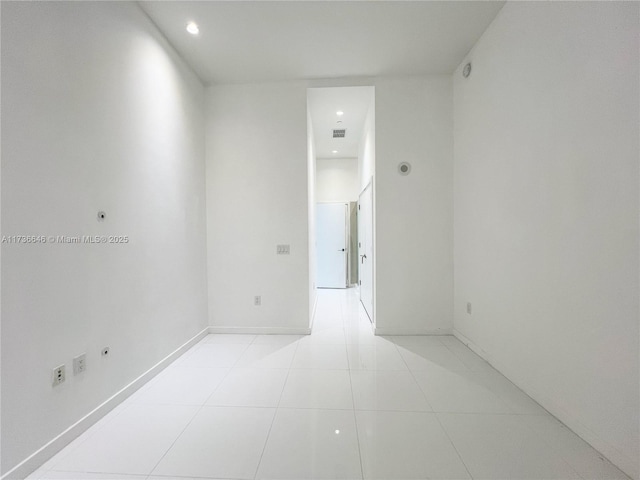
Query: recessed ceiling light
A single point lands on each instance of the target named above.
(339, 121)
(334, 151)
(192, 28)
(339, 113)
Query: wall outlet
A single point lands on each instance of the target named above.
(257, 300)
(79, 364)
(105, 351)
(469, 308)
(59, 375)
(283, 249)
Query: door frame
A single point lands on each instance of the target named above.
(361, 231)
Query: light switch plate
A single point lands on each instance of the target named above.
(283, 250)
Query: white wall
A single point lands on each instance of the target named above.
(337, 180)
(367, 147)
(98, 113)
(258, 192)
(257, 198)
(414, 226)
(546, 211)
(311, 212)
(366, 176)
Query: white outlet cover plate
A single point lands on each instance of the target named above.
(59, 375)
(79, 364)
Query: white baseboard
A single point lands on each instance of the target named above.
(313, 312)
(624, 463)
(261, 330)
(485, 356)
(38, 458)
(409, 331)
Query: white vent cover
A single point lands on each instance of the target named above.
(339, 133)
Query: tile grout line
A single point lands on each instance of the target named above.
(275, 413)
(118, 410)
(511, 413)
(496, 393)
(453, 444)
(554, 450)
(415, 379)
(355, 421)
(226, 375)
(353, 403)
(478, 373)
(436, 414)
(200, 408)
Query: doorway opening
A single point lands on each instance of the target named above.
(341, 149)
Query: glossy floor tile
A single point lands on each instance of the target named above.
(220, 442)
(133, 443)
(427, 357)
(53, 475)
(459, 391)
(340, 403)
(399, 445)
(250, 387)
(268, 355)
(380, 356)
(502, 446)
(181, 386)
(311, 443)
(325, 356)
(317, 389)
(587, 461)
(212, 355)
(385, 390)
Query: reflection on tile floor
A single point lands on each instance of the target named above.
(337, 404)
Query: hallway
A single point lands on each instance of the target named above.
(340, 403)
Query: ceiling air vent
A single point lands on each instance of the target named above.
(339, 133)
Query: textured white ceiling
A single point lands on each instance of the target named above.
(257, 41)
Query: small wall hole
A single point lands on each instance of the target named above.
(467, 70)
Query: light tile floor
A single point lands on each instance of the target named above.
(337, 404)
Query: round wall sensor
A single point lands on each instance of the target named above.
(404, 168)
(101, 216)
(467, 70)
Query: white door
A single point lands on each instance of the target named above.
(331, 245)
(365, 249)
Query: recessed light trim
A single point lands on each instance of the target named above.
(192, 28)
(404, 168)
